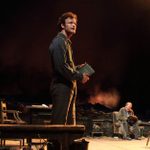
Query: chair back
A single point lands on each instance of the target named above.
(115, 116)
(8, 116)
(3, 113)
(116, 122)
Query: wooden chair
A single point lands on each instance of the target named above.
(9, 117)
(117, 126)
(117, 130)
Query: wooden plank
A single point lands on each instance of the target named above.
(41, 127)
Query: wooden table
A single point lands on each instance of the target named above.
(64, 134)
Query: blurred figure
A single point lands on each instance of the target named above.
(129, 122)
(63, 88)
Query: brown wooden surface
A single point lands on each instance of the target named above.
(42, 127)
(64, 134)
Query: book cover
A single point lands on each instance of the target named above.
(87, 69)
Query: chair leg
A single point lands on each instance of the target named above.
(3, 142)
(147, 140)
(141, 130)
(22, 143)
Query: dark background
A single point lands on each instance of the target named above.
(113, 36)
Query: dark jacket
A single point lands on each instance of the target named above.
(64, 69)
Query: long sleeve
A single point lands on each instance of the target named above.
(61, 54)
(122, 114)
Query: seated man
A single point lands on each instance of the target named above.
(129, 122)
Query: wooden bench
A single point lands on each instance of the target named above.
(64, 134)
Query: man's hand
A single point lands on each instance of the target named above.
(81, 65)
(85, 78)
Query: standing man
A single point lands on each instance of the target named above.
(129, 122)
(63, 87)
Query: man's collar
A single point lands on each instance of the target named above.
(63, 36)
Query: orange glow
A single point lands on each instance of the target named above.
(109, 99)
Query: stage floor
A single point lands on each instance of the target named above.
(103, 143)
(109, 143)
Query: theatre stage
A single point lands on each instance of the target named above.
(108, 143)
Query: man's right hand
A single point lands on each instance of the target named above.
(85, 78)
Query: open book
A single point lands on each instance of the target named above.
(86, 69)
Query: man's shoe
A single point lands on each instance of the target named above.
(138, 138)
(127, 138)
